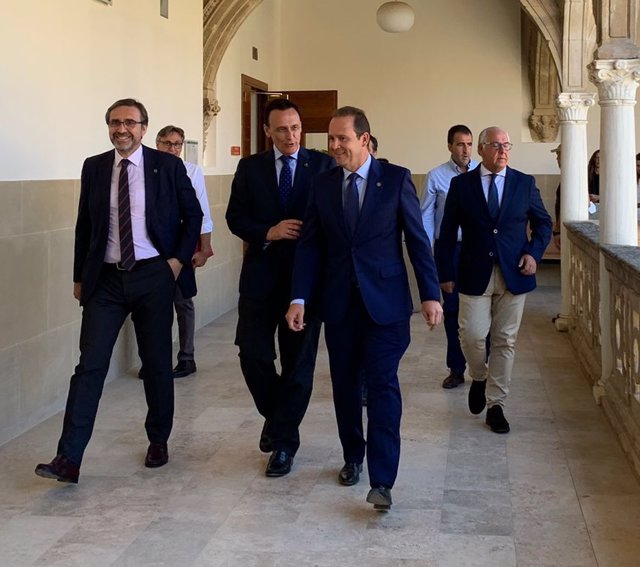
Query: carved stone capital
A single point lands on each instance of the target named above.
(573, 107)
(543, 126)
(616, 79)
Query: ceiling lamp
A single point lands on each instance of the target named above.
(395, 17)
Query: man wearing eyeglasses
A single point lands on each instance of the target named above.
(493, 205)
(170, 139)
(138, 225)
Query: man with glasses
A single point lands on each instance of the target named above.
(493, 205)
(170, 139)
(138, 225)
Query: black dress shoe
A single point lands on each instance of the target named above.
(477, 398)
(184, 368)
(60, 469)
(496, 421)
(280, 463)
(266, 445)
(380, 497)
(350, 474)
(157, 455)
(453, 380)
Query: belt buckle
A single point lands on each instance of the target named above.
(119, 267)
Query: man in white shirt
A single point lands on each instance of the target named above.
(170, 139)
(460, 145)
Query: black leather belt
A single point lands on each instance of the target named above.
(138, 264)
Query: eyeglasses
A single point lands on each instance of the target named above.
(167, 144)
(506, 146)
(128, 123)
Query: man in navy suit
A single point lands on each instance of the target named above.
(267, 203)
(351, 253)
(138, 224)
(494, 206)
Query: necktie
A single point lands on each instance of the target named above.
(127, 252)
(351, 204)
(286, 181)
(492, 198)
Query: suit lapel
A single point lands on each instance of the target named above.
(507, 192)
(105, 170)
(302, 173)
(375, 184)
(271, 178)
(150, 179)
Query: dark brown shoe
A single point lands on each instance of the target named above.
(60, 469)
(453, 380)
(157, 455)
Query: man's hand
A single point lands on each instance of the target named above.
(527, 265)
(176, 266)
(77, 290)
(200, 258)
(432, 312)
(295, 317)
(447, 287)
(288, 229)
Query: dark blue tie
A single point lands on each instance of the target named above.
(492, 198)
(127, 253)
(286, 181)
(351, 204)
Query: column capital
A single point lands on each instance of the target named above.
(616, 79)
(573, 107)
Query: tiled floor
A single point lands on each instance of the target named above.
(555, 492)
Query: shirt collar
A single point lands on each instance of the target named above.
(362, 171)
(453, 165)
(279, 154)
(484, 171)
(135, 158)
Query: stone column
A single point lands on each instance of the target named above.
(617, 82)
(572, 110)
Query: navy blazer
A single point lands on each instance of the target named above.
(173, 216)
(483, 239)
(254, 207)
(329, 259)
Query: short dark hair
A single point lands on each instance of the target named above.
(374, 142)
(170, 129)
(457, 129)
(278, 104)
(360, 122)
(128, 102)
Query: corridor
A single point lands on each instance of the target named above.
(556, 492)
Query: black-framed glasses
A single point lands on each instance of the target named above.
(128, 123)
(506, 146)
(167, 144)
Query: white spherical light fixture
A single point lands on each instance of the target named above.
(395, 17)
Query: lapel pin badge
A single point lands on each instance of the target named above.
(379, 184)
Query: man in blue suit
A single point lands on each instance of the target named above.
(267, 203)
(351, 253)
(138, 224)
(494, 206)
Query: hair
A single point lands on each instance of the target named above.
(278, 104)
(374, 143)
(593, 178)
(128, 102)
(482, 138)
(457, 129)
(170, 129)
(360, 122)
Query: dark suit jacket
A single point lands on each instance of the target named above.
(482, 239)
(329, 259)
(254, 207)
(173, 216)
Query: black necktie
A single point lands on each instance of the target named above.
(351, 204)
(127, 252)
(492, 198)
(286, 181)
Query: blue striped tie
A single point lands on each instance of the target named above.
(127, 252)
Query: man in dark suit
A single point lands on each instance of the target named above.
(138, 224)
(268, 199)
(351, 253)
(494, 206)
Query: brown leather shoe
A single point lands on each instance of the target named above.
(60, 469)
(157, 455)
(453, 380)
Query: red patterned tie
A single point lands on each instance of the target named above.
(127, 252)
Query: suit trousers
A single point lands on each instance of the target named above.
(456, 361)
(281, 398)
(186, 317)
(359, 349)
(147, 294)
(497, 311)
